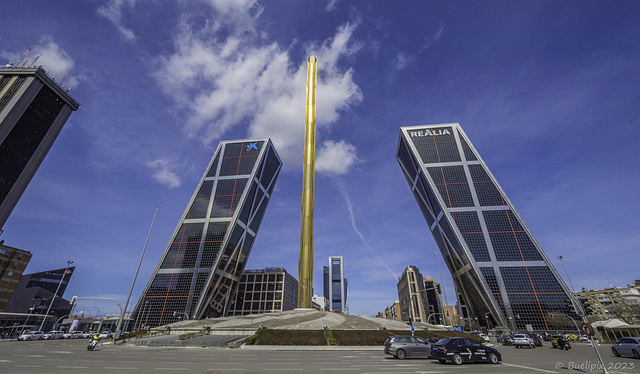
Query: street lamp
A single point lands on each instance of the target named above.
(56, 293)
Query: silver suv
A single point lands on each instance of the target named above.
(523, 340)
(407, 346)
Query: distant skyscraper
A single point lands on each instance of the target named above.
(412, 296)
(266, 290)
(336, 286)
(33, 110)
(500, 273)
(433, 300)
(200, 269)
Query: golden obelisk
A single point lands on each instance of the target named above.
(305, 263)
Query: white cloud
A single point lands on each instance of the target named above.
(335, 157)
(51, 57)
(113, 12)
(163, 172)
(333, 5)
(222, 80)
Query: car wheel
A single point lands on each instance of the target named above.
(615, 353)
(457, 359)
(493, 358)
(636, 354)
(442, 360)
(401, 354)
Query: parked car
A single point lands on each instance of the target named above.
(32, 335)
(87, 334)
(627, 347)
(105, 334)
(507, 340)
(403, 346)
(523, 340)
(460, 350)
(52, 335)
(72, 335)
(484, 336)
(537, 341)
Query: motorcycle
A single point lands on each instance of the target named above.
(565, 345)
(92, 344)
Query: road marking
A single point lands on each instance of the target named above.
(119, 368)
(530, 368)
(5, 361)
(171, 369)
(72, 367)
(67, 352)
(29, 366)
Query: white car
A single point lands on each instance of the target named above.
(72, 335)
(523, 340)
(87, 334)
(105, 334)
(484, 336)
(32, 335)
(52, 335)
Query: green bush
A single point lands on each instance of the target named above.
(330, 339)
(340, 337)
(289, 337)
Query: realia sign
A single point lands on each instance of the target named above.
(429, 132)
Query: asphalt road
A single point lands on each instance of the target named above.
(71, 356)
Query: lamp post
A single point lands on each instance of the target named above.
(29, 316)
(119, 326)
(56, 293)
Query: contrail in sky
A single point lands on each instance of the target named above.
(355, 228)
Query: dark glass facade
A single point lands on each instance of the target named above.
(33, 110)
(335, 285)
(199, 271)
(501, 274)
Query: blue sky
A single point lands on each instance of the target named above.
(548, 92)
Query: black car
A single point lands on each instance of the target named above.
(459, 350)
(404, 346)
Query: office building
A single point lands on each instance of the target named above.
(501, 275)
(13, 262)
(393, 311)
(35, 292)
(266, 290)
(433, 300)
(320, 302)
(622, 303)
(412, 296)
(33, 110)
(199, 272)
(336, 285)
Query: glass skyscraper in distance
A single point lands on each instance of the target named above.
(336, 286)
(199, 272)
(501, 275)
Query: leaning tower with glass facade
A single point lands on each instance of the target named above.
(199, 272)
(501, 274)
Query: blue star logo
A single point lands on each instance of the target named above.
(251, 146)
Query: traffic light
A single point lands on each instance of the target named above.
(438, 288)
(73, 300)
(410, 323)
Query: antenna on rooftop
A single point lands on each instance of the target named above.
(33, 63)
